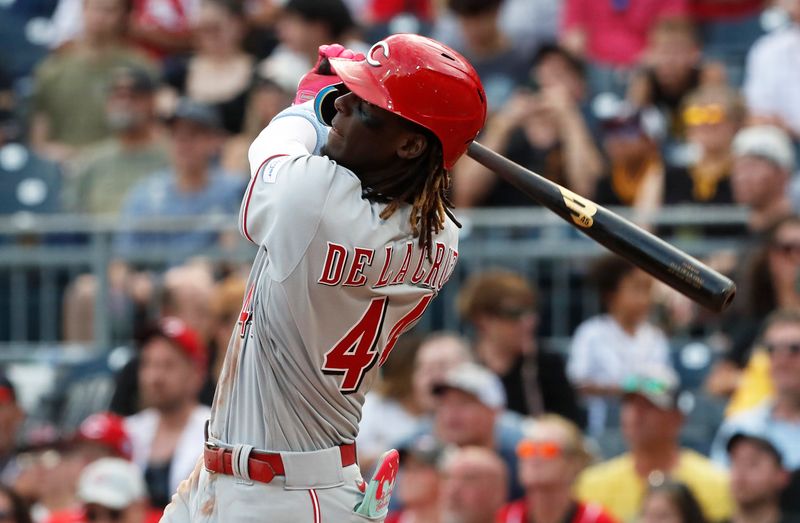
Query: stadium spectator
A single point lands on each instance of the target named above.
(670, 501)
(100, 436)
(470, 412)
(265, 99)
(192, 186)
(712, 115)
(219, 71)
(303, 26)
(551, 456)
(474, 486)
(621, 342)
(768, 282)
(612, 35)
(11, 419)
(500, 66)
(776, 418)
(763, 165)
(758, 478)
(80, 71)
(105, 172)
(651, 424)
(163, 28)
(501, 306)
(390, 412)
(13, 507)
(528, 25)
(543, 128)
(103, 435)
(635, 166)
(24, 42)
(167, 435)
(671, 69)
(113, 489)
(186, 292)
(438, 352)
(28, 182)
(772, 71)
(729, 29)
(419, 482)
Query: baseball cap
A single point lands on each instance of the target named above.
(760, 439)
(196, 112)
(134, 78)
(107, 429)
(425, 448)
(182, 336)
(476, 380)
(768, 142)
(8, 393)
(657, 384)
(112, 483)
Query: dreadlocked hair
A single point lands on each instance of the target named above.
(423, 183)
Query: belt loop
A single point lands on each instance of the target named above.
(239, 462)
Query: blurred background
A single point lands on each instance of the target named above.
(569, 383)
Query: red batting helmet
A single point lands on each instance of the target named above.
(423, 81)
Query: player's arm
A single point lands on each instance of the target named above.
(296, 130)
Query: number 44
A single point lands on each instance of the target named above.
(356, 352)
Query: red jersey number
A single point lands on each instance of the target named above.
(356, 352)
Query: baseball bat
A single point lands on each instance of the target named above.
(665, 262)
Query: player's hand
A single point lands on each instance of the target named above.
(321, 75)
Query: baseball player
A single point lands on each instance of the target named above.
(347, 204)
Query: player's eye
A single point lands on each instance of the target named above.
(366, 113)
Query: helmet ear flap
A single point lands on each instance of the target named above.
(323, 102)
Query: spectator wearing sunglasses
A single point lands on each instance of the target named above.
(551, 455)
(609, 347)
(113, 490)
(13, 508)
(778, 417)
(502, 307)
(758, 478)
(651, 422)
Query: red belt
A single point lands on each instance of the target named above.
(262, 466)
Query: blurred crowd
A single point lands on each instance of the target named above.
(134, 110)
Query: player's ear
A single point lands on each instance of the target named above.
(412, 146)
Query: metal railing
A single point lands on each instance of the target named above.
(40, 255)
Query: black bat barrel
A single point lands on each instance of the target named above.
(674, 267)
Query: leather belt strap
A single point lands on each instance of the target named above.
(262, 466)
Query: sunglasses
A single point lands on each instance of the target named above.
(94, 513)
(512, 313)
(786, 248)
(791, 348)
(704, 114)
(527, 449)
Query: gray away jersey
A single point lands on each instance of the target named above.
(331, 289)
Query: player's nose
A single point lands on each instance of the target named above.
(343, 104)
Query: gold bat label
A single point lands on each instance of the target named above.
(582, 209)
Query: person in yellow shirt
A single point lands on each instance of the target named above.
(651, 423)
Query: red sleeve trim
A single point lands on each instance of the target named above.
(250, 187)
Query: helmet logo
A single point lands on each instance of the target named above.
(379, 45)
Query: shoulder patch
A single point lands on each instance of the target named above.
(269, 171)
